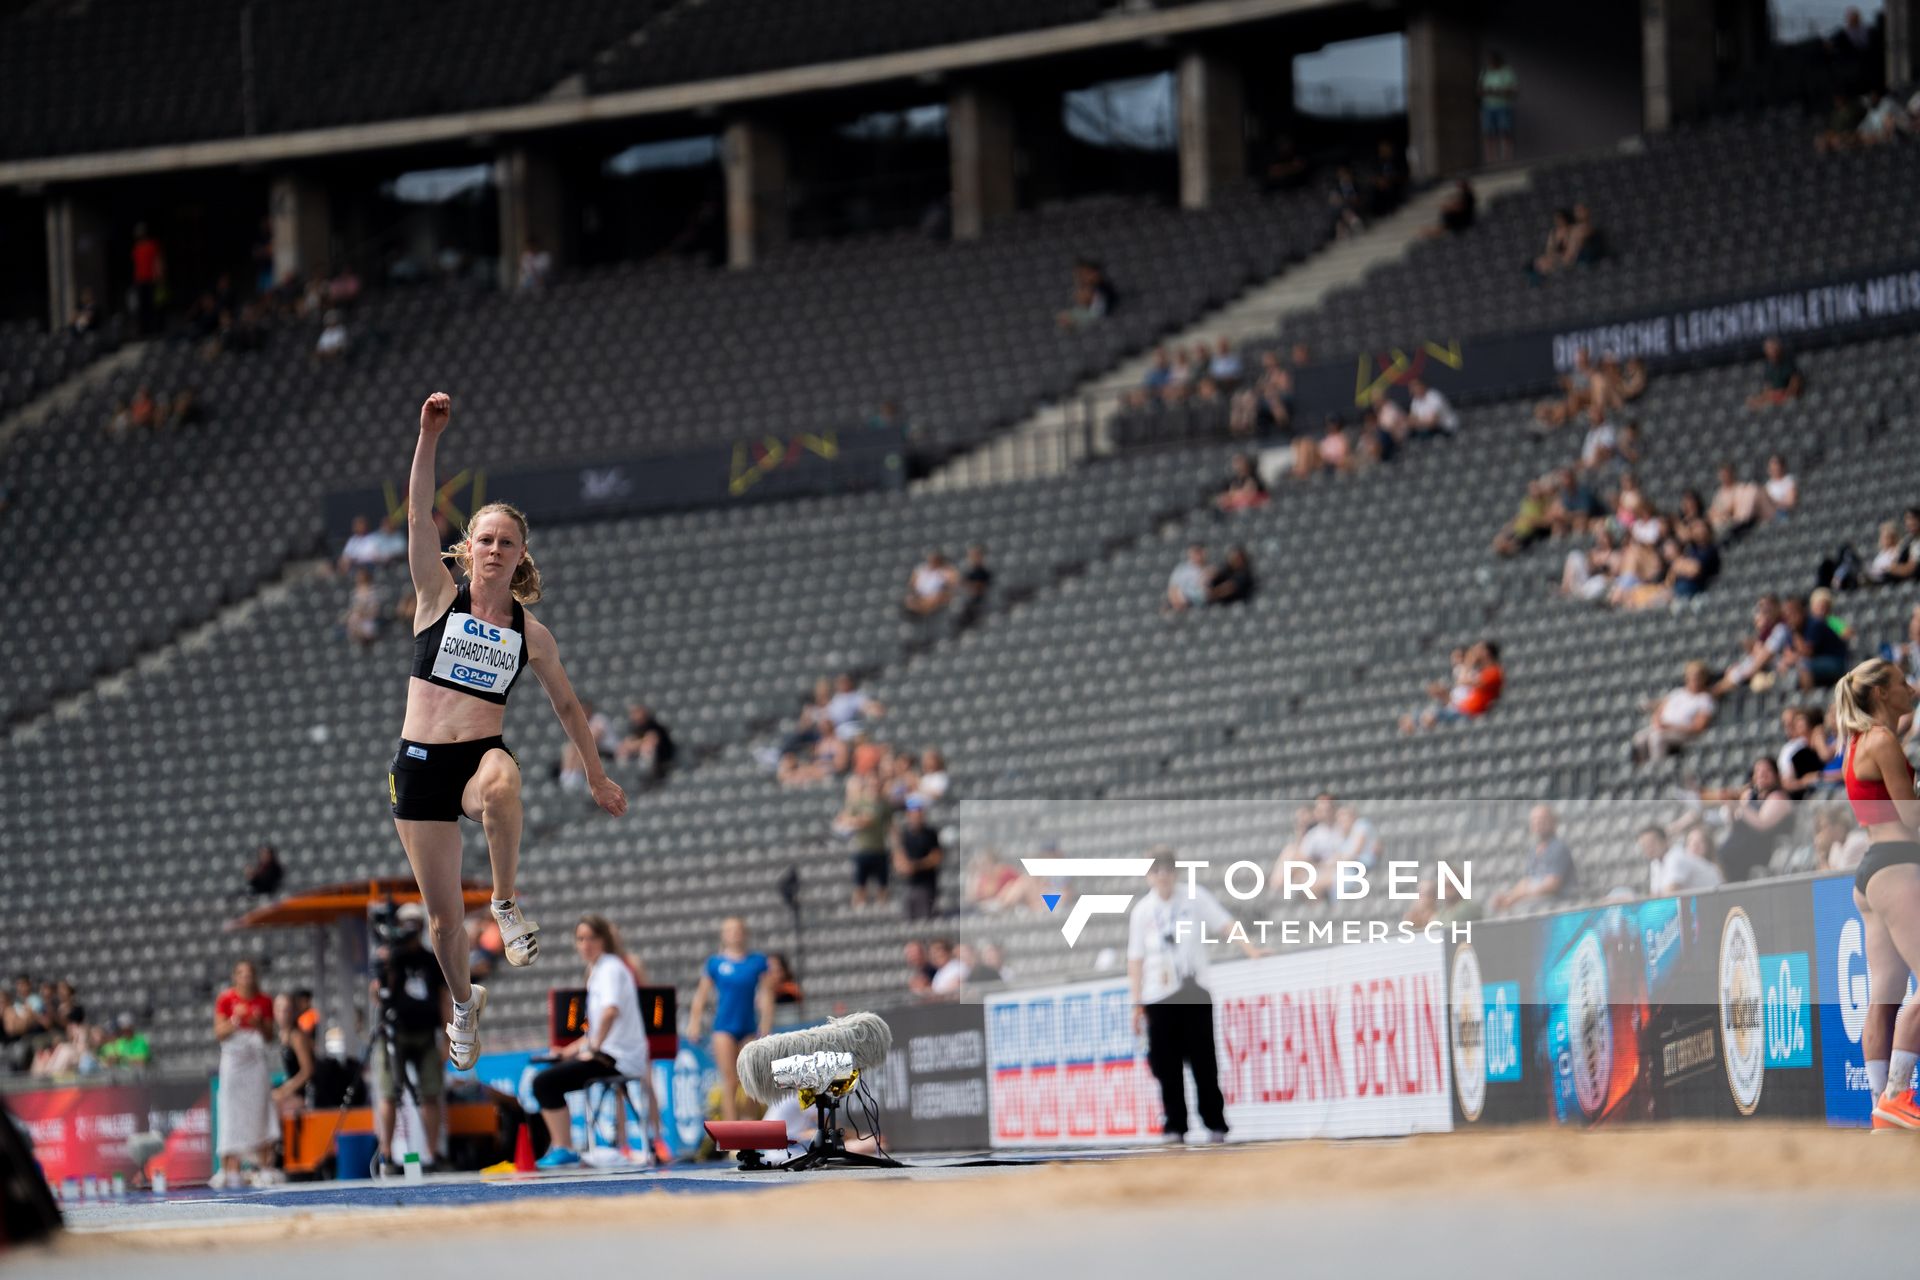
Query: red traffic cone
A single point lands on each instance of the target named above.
(523, 1150)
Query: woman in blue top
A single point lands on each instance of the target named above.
(735, 982)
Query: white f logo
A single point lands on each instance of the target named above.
(1092, 904)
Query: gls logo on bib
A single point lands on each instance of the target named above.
(478, 656)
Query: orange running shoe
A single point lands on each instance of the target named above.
(1896, 1111)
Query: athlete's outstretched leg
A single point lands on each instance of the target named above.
(433, 848)
(492, 796)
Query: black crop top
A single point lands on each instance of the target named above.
(459, 651)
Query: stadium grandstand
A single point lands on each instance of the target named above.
(1029, 412)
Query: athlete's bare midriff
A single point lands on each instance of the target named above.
(447, 715)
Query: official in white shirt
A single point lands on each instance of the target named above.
(1167, 972)
(615, 1043)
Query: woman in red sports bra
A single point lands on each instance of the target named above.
(1870, 702)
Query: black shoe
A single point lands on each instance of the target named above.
(387, 1168)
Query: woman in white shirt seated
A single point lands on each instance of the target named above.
(1782, 489)
(615, 1043)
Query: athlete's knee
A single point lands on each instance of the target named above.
(501, 787)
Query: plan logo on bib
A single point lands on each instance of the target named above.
(1088, 905)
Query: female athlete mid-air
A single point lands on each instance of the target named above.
(471, 639)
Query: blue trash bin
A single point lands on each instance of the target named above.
(353, 1155)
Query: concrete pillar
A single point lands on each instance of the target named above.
(1213, 127)
(77, 248)
(1678, 60)
(302, 217)
(532, 206)
(1443, 109)
(1900, 21)
(754, 157)
(980, 152)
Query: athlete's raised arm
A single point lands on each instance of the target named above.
(431, 582)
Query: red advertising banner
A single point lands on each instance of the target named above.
(81, 1131)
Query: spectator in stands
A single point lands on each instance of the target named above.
(1843, 125)
(1589, 574)
(366, 610)
(1549, 877)
(933, 782)
(332, 343)
(149, 274)
(1233, 581)
(1457, 212)
(86, 315)
(920, 970)
(1093, 297)
(1597, 446)
(995, 885)
(647, 742)
(264, 873)
(976, 583)
(1884, 121)
(1838, 844)
(1190, 581)
(1224, 367)
(1676, 718)
(1818, 655)
(1559, 251)
(1573, 504)
(536, 267)
(1769, 638)
(1692, 556)
(1499, 88)
(1265, 404)
(1680, 867)
(1477, 684)
(916, 859)
(866, 821)
(1387, 184)
(128, 1048)
(1530, 524)
(1428, 413)
(1783, 490)
(932, 585)
(1577, 393)
(1906, 654)
(1898, 556)
(850, 710)
(1333, 452)
(1737, 504)
(1155, 382)
(1780, 379)
(1803, 759)
(1759, 817)
(1348, 201)
(950, 968)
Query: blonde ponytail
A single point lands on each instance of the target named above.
(526, 575)
(1855, 696)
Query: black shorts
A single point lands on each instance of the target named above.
(871, 867)
(426, 779)
(1883, 854)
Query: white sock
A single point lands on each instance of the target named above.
(503, 904)
(1900, 1070)
(463, 1011)
(1877, 1076)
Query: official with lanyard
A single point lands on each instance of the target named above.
(1167, 971)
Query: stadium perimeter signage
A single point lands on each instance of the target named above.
(797, 465)
(1714, 331)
